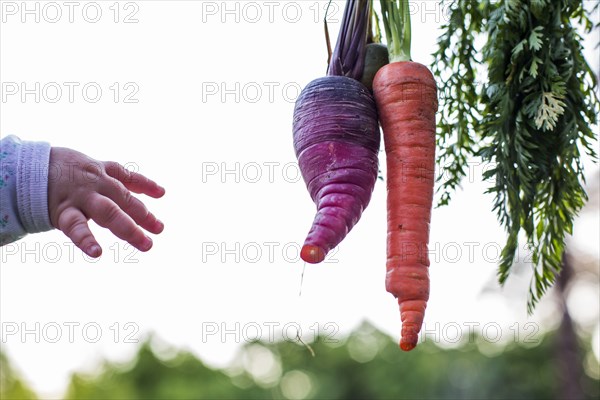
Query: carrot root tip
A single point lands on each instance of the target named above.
(407, 345)
(312, 254)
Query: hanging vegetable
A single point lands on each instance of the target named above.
(336, 138)
(376, 57)
(376, 53)
(406, 97)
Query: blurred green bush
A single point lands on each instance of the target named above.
(365, 365)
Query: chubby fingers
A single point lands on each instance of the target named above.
(117, 192)
(74, 224)
(134, 181)
(106, 213)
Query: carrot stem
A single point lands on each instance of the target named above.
(348, 58)
(396, 21)
(377, 37)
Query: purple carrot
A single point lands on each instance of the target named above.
(336, 138)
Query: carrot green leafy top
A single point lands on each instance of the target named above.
(396, 22)
(531, 120)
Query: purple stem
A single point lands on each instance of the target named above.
(348, 57)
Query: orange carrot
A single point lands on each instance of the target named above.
(406, 97)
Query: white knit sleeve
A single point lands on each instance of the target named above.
(23, 188)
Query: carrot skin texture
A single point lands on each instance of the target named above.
(406, 98)
(336, 140)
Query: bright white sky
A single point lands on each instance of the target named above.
(229, 251)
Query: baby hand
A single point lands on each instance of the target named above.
(81, 188)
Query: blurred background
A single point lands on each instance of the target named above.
(199, 96)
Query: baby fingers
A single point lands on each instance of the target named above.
(134, 181)
(117, 192)
(106, 213)
(74, 224)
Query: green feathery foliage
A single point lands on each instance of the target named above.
(460, 111)
(530, 122)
